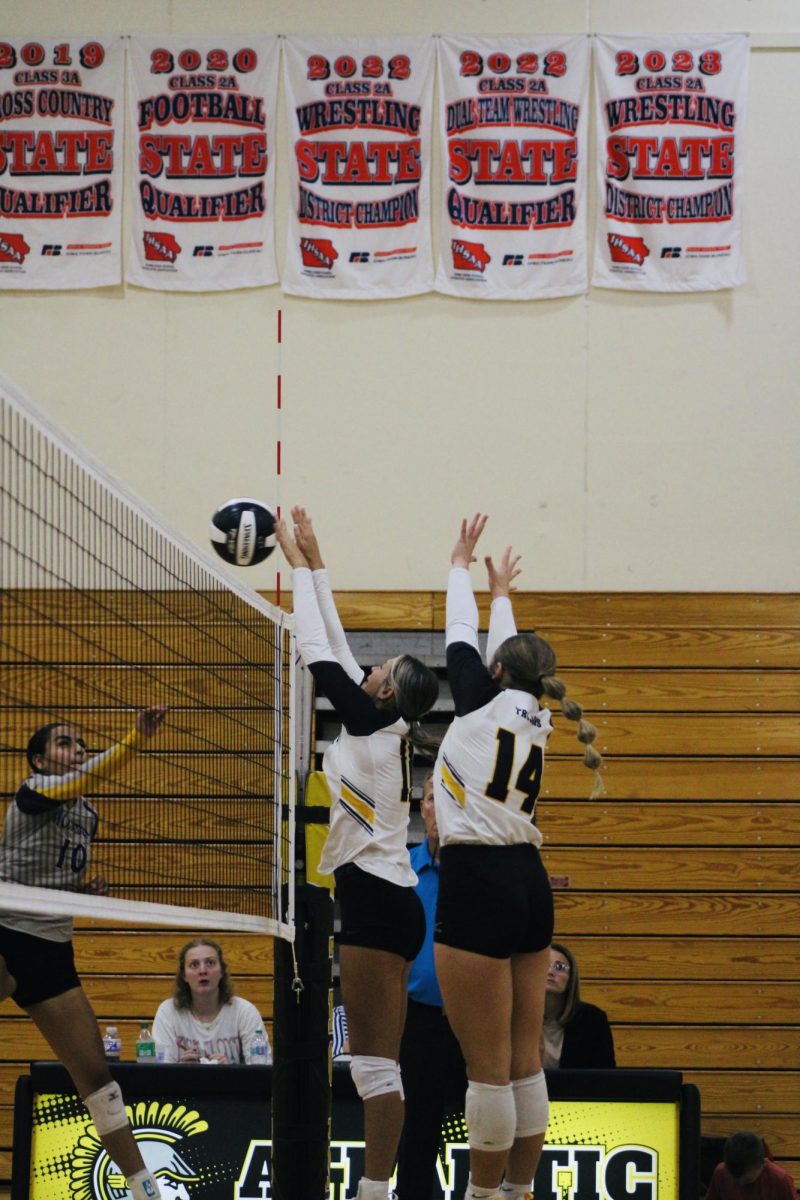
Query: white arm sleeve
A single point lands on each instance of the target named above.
(461, 620)
(309, 626)
(333, 626)
(501, 626)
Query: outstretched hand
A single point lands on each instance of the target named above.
(463, 551)
(501, 577)
(150, 720)
(291, 551)
(306, 538)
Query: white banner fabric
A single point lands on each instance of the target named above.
(202, 113)
(360, 128)
(513, 136)
(60, 161)
(670, 114)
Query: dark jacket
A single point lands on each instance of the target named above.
(587, 1039)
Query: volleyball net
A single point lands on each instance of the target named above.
(104, 612)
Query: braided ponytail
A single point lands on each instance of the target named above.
(554, 687)
(529, 663)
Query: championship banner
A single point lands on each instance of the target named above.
(360, 121)
(60, 162)
(202, 113)
(670, 109)
(513, 137)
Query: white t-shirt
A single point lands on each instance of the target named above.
(230, 1033)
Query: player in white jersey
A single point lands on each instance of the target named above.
(46, 842)
(368, 769)
(494, 918)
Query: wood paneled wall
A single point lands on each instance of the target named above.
(679, 887)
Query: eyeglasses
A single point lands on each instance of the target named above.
(561, 967)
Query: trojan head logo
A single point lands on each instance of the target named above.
(161, 1131)
(630, 250)
(469, 256)
(318, 252)
(160, 247)
(13, 248)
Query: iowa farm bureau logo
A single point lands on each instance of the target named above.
(13, 248)
(630, 250)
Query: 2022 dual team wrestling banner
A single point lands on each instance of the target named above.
(513, 138)
(670, 110)
(202, 114)
(60, 161)
(360, 128)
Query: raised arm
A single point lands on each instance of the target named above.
(352, 705)
(307, 541)
(501, 584)
(461, 620)
(93, 774)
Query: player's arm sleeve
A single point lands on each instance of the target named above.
(312, 638)
(164, 1034)
(41, 792)
(352, 705)
(470, 683)
(337, 639)
(461, 612)
(501, 626)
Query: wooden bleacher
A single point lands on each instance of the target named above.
(679, 887)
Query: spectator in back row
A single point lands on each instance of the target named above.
(204, 1021)
(747, 1174)
(575, 1034)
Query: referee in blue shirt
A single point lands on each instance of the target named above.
(432, 1066)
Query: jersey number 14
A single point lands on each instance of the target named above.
(529, 779)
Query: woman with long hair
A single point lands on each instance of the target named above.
(576, 1034)
(47, 838)
(494, 919)
(368, 770)
(204, 1021)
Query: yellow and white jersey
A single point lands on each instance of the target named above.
(370, 782)
(489, 771)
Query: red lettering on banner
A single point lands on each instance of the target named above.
(669, 158)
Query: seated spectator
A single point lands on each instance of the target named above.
(748, 1174)
(575, 1034)
(204, 1021)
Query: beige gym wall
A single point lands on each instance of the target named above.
(621, 441)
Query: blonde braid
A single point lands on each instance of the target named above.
(554, 687)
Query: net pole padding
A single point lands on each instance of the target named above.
(301, 1073)
(302, 1017)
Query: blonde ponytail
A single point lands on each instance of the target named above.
(555, 688)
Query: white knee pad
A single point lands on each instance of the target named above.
(400, 1083)
(491, 1116)
(374, 1076)
(531, 1104)
(106, 1109)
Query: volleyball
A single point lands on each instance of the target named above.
(242, 531)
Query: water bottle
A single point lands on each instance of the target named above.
(258, 1056)
(112, 1044)
(145, 1045)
